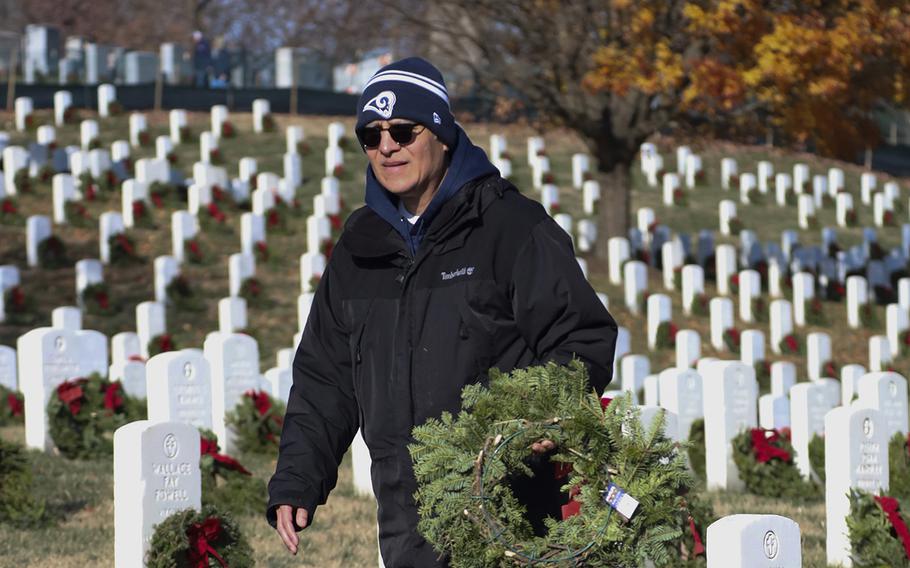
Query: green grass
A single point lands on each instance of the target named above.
(80, 493)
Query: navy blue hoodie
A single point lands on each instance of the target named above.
(468, 162)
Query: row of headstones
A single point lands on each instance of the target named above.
(188, 385)
(725, 395)
(689, 167)
(156, 474)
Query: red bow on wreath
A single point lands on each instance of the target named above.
(699, 548)
(112, 398)
(201, 536)
(70, 393)
(763, 448)
(164, 343)
(210, 448)
(260, 401)
(891, 508)
(15, 405)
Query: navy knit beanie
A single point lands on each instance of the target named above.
(410, 88)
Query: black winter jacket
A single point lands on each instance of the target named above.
(392, 339)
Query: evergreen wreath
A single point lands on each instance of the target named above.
(96, 299)
(18, 504)
(666, 335)
(764, 459)
(123, 250)
(83, 413)
(19, 307)
(181, 296)
(12, 406)
(162, 343)
(256, 422)
(251, 291)
(9, 213)
(225, 482)
(732, 340)
(469, 513)
(52, 253)
(191, 538)
(696, 448)
(899, 466)
(875, 536)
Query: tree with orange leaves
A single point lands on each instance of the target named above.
(617, 71)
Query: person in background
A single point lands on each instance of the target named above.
(221, 65)
(202, 59)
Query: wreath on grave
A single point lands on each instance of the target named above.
(791, 344)
(878, 531)
(732, 340)
(884, 294)
(680, 199)
(462, 465)
(162, 343)
(181, 296)
(261, 250)
(850, 218)
(696, 449)
(755, 197)
(94, 143)
(339, 171)
(677, 277)
(759, 309)
(18, 504)
(665, 338)
(835, 291)
(9, 213)
(83, 413)
(303, 148)
(228, 130)
(108, 180)
(19, 307)
(225, 482)
(199, 539)
(817, 456)
(52, 253)
(326, 247)
(251, 291)
(899, 466)
(763, 375)
(142, 217)
(292, 207)
(46, 173)
(76, 214)
(256, 422)
(700, 305)
(185, 133)
(815, 312)
(122, 250)
(96, 299)
(21, 180)
(764, 459)
(213, 219)
(215, 157)
(313, 283)
(159, 191)
(811, 222)
(268, 122)
(275, 221)
(734, 284)
(114, 108)
(70, 115)
(734, 225)
(192, 251)
(830, 369)
(145, 139)
(888, 219)
(12, 406)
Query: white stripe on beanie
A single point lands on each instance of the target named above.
(413, 78)
(412, 74)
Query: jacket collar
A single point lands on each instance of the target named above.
(368, 235)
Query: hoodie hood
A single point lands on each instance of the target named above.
(468, 163)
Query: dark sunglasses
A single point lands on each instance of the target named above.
(402, 134)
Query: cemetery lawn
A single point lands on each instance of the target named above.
(80, 494)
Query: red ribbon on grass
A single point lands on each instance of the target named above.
(201, 536)
(891, 508)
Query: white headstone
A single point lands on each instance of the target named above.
(721, 311)
(754, 541)
(231, 314)
(749, 290)
(887, 393)
(809, 403)
(150, 323)
(781, 323)
(37, 229)
(234, 364)
(688, 348)
(752, 346)
(783, 377)
(617, 254)
(857, 297)
(659, 311)
(110, 223)
(730, 407)
(681, 392)
(184, 227)
(180, 389)
(165, 269)
(47, 358)
(156, 474)
(240, 268)
(635, 281)
(725, 262)
(8, 374)
(856, 456)
(177, 121)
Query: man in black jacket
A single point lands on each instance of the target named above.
(447, 272)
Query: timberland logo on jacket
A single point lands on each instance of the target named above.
(463, 271)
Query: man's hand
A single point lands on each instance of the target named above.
(543, 446)
(285, 525)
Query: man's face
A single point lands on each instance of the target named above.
(408, 170)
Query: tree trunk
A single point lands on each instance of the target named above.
(613, 208)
